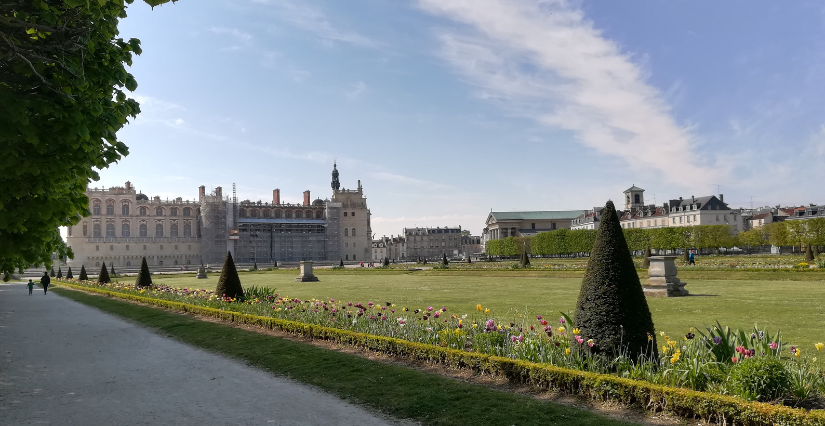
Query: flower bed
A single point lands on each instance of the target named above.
(533, 349)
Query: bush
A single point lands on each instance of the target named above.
(103, 276)
(144, 277)
(612, 308)
(69, 274)
(83, 276)
(112, 272)
(229, 284)
(760, 378)
(59, 273)
(275, 264)
(51, 273)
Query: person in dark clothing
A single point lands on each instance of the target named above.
(31, 286)
(692, 259)
(45, 282)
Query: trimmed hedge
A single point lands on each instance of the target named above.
(600, 387)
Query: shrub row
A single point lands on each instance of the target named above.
(683, 402)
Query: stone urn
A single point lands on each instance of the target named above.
(306, 273)
(662, 281)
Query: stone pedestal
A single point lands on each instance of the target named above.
(663, 281)
(306, 273)
(201, 273)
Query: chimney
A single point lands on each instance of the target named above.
(692, 199)
(306, 197)
(128, 185)
(722, 197)
(276, 196)
(201, 192)
(219, 192)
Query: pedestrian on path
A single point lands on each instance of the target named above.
(692, 259)
(45, 282)
(31, 287)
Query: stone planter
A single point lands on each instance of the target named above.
(662, 281)
(306, 273)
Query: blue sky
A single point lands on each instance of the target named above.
(445, 109)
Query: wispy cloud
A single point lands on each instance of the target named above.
(314, 20)
(357, 89)
(406, 180)
(545, 60)
(241, 36)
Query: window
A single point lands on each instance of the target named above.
(189, 247)
(636, 198)
(160, 263)
(124, 230)
(97, 263)
(96, 230)
(159, 211)
(352, 214)
(187, 230)
(299, 214)
(85, 229)
(176, 262)
(266, 214)
(308, 214)
(347, 256)
(127, 247)
(353, 257)
(97, 248)
(144, 246)
(96, 209)
(124, 210)
(173, 211)
(345, 214)
(346, 232)
(143, 232)
(253, 213)
(161, 246)
(159, 230)
(532, 226)
(346, 244)
(277, 214)
(319, 214)
(110, 209)
(176, 247)
(173, 230)
(110, 230)
(111, 247)
(188, 261)
(353, 232)
(353, 245)
(288, 214)
(128, 263)
(187, 212)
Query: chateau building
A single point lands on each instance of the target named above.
(526, 224)
(125, 226)
(432, 243)
(707, 210)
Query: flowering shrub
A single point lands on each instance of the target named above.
(698, 360)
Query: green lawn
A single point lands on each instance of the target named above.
(791, 302)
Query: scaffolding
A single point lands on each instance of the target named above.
(214, 229)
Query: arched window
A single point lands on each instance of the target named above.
(187, 212)
(266, 214)
(142, 211)
(124, 209)
(319, 214)
(128, 263)
(353, 232)
(160, 263)
(124, 230)
(253, 213)
(159, 211)
(85, 229)
(97, 263)
(96, 230)
(96, 209)
(288, 214)
(143, 231)
(308, 214)
(110, 208)
(159, 230)
(176, 262)
(277, 214)
(187, 230)
(173, 211)
(110, 230)
(188, 261)
(346, 232)
(242, 213)
(173, 230)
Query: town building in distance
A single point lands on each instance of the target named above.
(432, 243)
(126, 226)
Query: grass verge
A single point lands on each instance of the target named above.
(397, 391)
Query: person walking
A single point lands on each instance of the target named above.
(31, 287)
(45, 282)
(692, 259)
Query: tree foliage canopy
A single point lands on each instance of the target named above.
(62, 102)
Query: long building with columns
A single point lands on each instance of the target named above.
(126, 225)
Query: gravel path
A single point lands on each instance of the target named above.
(66, 363)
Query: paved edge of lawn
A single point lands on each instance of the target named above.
(398, 391)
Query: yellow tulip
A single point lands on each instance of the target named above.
(819, 346)
(567, 351)
(576, 331)
(487, 311)
(478, 307)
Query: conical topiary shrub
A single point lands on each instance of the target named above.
(83, 276)
(387, 262)
(469, 260)
(229, 284)
(341, 264)
(69, 274)
(103, 276)
(112, 271)
(59, 273)
(255, 265)
(51, 273)
(274, 263)
(144, 277)
(646, 261)
(444, 260)
(612, 308)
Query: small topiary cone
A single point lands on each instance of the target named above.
(144, 277)
(469, 260)
(274, 263)
(103, 276)
(444, 260)
(112, 271)
(229, 284)
(646, 261)
(69, 274)
(59, 273)
(51, 273)
(83, 276)
(612, 308)
(387, 261)
(341, 264)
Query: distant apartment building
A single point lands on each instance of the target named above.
(432, 243)
(707, 210)
(471, 245)
(380, 250)
(526, 224)
(812, 211)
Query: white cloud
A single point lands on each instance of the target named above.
(315, 21)
(546, 61)
(241, 36)
(357, 89)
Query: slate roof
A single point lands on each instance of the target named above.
(633, 188)
(537, 215)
